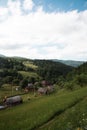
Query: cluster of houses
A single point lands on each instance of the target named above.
(46, 87)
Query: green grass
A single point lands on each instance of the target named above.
(8, 90)
(30, 74)
(74, 118)
(30, 65)
(1, 70)
(34, 113)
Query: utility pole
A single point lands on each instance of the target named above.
(12, 90)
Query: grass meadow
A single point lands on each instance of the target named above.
(31, 65)
(37, 112)
(74, 118)
(28, 74)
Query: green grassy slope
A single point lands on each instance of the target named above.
(31, 115)
(74, 118)
(28, 74)
(30, 64)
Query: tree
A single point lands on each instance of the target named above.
(69, 85)
(8, 79)
(81, 79)
(24, 83)
(15, 82)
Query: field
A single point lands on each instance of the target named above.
(62, 110)
(30, 74)
(31, 65)
(74, 118)
(8, 90)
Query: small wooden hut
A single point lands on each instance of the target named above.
(13, 100)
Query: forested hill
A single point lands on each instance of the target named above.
(72, 63)
(51, 70)
(11, 63)
(15, 70)
(82, 69)
(78, 76)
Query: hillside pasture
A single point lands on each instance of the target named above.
(9, 90)
(30, 65)
(74, 118)
(28, 74)
(34, 113)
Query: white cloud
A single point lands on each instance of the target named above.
(61, 35)
(28, 4)
(14, 7)
(3, 13)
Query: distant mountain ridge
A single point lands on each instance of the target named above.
(70, 62)
(2, 55)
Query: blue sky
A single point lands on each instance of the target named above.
(55, 5)
(44, 29)
(63, 5)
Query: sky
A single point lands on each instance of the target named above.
(44, 29)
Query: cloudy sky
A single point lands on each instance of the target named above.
(44, 29)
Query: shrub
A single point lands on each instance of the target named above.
(81, 79)
(69, 85)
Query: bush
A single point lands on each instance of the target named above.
(15, 82)
(24, 83)
(81, 79)
(69, 85)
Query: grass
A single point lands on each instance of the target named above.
(36, 112)
(1, 70)
(74, 118)
(30, 74)
(9, 90)
(30, 65)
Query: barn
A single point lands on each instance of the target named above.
(10, 101)
(42, 90)
(46, 90)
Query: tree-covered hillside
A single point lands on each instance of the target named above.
(82, 69)
(50, 70)
(11, 63)
(77, 77)
(20, 70)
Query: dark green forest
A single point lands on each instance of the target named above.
(77, 77)
(46, 70)
(50, 70)
(12, 72)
